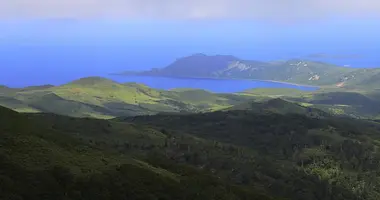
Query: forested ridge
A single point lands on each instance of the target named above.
(234, 154)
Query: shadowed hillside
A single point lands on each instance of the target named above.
(234, 154)
(360, 104)
(41, 159)
(280, 106)
(323, 158)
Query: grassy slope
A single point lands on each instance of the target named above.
(337, 101)
(367, 79)
(352, 103)
(275, 92)
(293, 156)
(103, 98)
(280, 106)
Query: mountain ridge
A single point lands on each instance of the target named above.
(296, 71)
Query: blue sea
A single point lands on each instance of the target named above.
(212, 85)
(29, 65)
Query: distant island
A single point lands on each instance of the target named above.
(294, 71)
(334, 56)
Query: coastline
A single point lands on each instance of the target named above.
(221, 78)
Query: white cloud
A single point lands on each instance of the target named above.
(277, 10)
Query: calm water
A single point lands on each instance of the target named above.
(213, 85)
(28, 65)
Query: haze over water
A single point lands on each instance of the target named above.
(55, 51)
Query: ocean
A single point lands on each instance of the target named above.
(212, 85)
(29, 65)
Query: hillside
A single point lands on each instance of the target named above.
(237, 154)
(364, 79)
(197, 65)
(358, 104)
(275, 92)
(336, 101)
(279, 106)
(292, 71)
(288, 155)
(51, 157)
(103, 98)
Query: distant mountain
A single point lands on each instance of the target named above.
(8, 90)
(40, 87)
(89, 81)
(362, 78)
(198, 65)
(297, 71)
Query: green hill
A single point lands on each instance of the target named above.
(299, 71)
(4, 90)
(219, 155)
(103, 98)
(275, 92)
(280, 106)
(16, 104)
(45, 156)
(232, 154)
(288, 155)
(366, 79)
(359, 104)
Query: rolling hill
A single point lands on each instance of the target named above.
(46, 156)
(361, 104)
(280, 106)
(103, 98)
(233, 154)
(290, 155)
(297, 71)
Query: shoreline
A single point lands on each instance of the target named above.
(221, 78)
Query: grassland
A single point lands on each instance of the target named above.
(98, 97)
(103, 98)
(357, 103)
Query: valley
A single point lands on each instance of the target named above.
(96, 139)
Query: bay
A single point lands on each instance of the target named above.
(212, 85)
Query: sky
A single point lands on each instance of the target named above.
(274, 10)
(101, 36)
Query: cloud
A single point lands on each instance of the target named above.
(274, 10)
